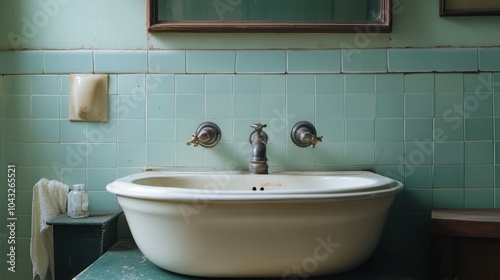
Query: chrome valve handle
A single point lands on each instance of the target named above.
(315, 140)
(304, 134)
(207, 135)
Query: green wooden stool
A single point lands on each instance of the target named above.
(79, 242)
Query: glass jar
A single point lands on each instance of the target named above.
(78, 202)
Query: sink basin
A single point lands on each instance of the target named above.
(233, 224)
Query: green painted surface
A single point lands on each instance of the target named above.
(94, 219)
(125, 261)
(121, 24)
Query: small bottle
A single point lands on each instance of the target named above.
(78, 202)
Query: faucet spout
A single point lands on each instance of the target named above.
(259, 151)
(258, 140)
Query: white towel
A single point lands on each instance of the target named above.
(49, 201)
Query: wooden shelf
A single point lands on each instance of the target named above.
(465, 244)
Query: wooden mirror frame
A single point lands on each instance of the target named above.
(380, 26)
(476, 8)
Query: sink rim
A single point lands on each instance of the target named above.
(126, 186)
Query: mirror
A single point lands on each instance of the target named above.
(297, 16)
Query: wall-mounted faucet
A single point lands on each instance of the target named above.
(207, 135)
(304, 134)
(258, 139)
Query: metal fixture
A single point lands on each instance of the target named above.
(207, 135)
(304, 134)
(258, 139)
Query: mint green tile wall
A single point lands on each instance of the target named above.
(436, 131)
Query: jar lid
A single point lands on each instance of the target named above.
(79, 187)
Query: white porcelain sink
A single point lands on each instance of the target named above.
(233, 224)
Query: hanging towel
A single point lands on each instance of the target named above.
(49, 201)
